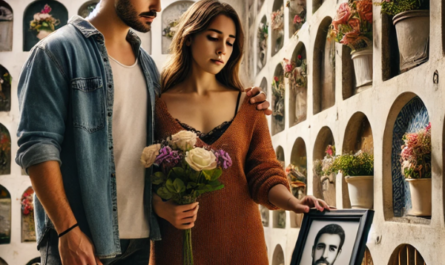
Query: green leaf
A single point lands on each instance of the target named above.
(213, 174)
(169, 185)
(177, 172)
(158, 178)
(194, 175)
(179, 185)
(164, 193)
(191, 185)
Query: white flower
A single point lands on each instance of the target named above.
(201, 159)
(184, 140)
(149, 155)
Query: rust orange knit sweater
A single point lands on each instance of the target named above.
(228, 229)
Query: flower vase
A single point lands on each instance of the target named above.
(43, 34)
(362, 66)
(413, 32)
(420, 190)
(361, 191)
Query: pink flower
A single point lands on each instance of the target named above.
(46, 9)
(297, 19)
(350, 38)
(428, 128)
(355, 24)
(343, 15)
(276, 79)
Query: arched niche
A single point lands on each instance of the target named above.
(58, 12)
(263, 86)
(348, 76)
(297, 175)
(27, 210)
(280, 155)
(6, 25)
(170, 17)
(5, 151)
(316, 4)
(408, 114)
(278, 31)
(262, 36)
(5, 216)
(35, 261)
(5, 89)
(87, 8)
(278, 100)
(323, 187)
(358, 137)
(278, 256)
(367, 258)
(407, 255)
(297, 15)
(3, 262)
(298, 86)
(324, 63)
(264, 216)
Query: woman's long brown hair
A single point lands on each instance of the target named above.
(196, 20)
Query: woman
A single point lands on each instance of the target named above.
(202, 92)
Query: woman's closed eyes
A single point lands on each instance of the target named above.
(210, 38)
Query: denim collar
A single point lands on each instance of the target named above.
(88, 30)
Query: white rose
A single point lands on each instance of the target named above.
(201, 159)
(184, 140)
(149, 155)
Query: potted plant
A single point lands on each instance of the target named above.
(358, 170)
(412, 21)
(353, 28)
(263, 33)
(296, 73)
(297, 13)
(278, 94)
(277, 24)
(415, 160)
(44, 23)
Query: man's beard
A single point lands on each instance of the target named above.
(126, 12)
(322, 261)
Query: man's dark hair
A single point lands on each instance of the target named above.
(332, 229)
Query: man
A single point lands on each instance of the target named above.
(86, 97)
(327, 245)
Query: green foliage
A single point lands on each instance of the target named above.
(360, 164)
(394, 7)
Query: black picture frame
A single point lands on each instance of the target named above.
(362, 217)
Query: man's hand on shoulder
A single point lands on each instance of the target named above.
(258, 97)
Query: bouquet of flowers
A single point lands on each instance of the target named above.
(297, 179)
(415, 157)
(298, 11)
(328, 161)
(278, 93)
(171, 29)
(44, 21)
(394, 7)
(296, 72)
(277, 19)
(186, 172)
(353, 25)
(27, 203)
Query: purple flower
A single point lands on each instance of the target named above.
(223, 159)
(168, 156)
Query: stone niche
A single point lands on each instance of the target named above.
(278, 256)
(278, 100)
(358, 137)
(262, 37)
(280, 156)
(27, 209)
(58, 12)
(278, 33)
(407, 115)
(5, 216)
(324, 62)
(297, 15)
(406, 254)
(316, 4)
(86, 9)
(6, 24)
(170, 17)
(348, 75)
(5, 151)
(263, 86)
(3, 262)
(5, 89)
(298, 87)
(297, 175)
(323, 186)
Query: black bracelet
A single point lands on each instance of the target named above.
(69, 229)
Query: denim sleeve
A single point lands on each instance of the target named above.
(43, 92)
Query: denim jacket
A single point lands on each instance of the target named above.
(66, 95)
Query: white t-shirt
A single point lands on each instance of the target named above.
(129, 139)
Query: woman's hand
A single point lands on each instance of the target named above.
(180, 216)
(309, 201)
(259, 98)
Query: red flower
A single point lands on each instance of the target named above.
(297, 19)
(276, 79)
(46, 9)
(300, 57)
(364, 9)
(428, 128)
(354, 23)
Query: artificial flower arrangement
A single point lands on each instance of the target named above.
(277, 19)
(415, 157)
(185, 173)
(353, 25)
(6, 78)
(278, 93)
(5, 147)
(324, 167)
(171, 29)
(44, 23)
(296, 72)
(358, 164)
(263, 34)
(394, 7)
(300, 17)
(297, 177)
(27, 203)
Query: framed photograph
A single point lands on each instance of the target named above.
(337, 237)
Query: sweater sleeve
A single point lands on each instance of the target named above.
(263, 171)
